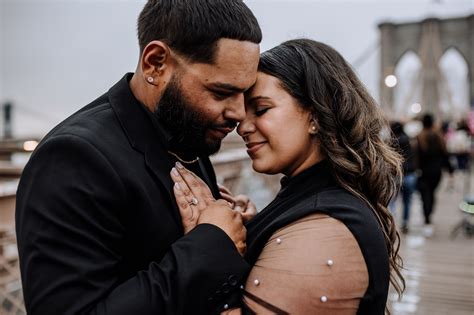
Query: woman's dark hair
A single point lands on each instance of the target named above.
(193, 27)
(350, 124)
(397, 128)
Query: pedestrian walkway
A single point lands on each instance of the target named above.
(439, 271)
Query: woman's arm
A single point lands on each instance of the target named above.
(313, 266)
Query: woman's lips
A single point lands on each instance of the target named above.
(253, 147)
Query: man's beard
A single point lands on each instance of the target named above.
(186, 125)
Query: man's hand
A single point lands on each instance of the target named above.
(240, 203)
(197, 206)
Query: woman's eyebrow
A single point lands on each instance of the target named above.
(258, 97)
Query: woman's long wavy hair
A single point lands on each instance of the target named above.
(351, 125)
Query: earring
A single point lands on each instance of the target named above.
(150, 79)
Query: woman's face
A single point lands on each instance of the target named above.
(277, 131)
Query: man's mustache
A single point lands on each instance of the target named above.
(228, 124)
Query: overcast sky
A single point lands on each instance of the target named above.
(58, 55)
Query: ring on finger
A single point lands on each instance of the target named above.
(193, 201)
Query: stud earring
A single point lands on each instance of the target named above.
(150, 79)
(313, 128)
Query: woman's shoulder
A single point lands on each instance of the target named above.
(315, 263)
(335, 202)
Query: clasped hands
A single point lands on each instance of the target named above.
(197, 206)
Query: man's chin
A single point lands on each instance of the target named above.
(213, 146)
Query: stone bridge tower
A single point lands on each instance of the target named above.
(429, 39)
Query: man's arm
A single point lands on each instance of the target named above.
(69, 203)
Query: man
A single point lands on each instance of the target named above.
(98, 229)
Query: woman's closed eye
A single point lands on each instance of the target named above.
(261, 111)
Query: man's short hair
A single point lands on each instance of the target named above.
(193, 27)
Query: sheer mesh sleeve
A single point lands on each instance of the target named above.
(313, 266)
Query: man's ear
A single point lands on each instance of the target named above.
(156, 62)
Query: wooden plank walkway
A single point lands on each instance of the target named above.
(439, 271)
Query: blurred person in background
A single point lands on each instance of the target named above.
(98, 228)
(432, 158)
(401, 143)
(327, 244)
(459, 144)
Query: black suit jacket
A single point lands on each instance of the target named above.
(98, 228)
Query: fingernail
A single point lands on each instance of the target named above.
(238, 208)
(175, 171)
(176, 185)
(179, 165)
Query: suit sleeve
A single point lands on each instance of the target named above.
(69, 204)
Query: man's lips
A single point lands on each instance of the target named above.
(253, 147)
(225, 129)
(222, 131)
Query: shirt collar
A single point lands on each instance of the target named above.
(165, 136)
(320, 174)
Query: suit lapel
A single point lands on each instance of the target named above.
(143, 137)
(157, 161)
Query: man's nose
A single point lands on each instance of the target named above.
(236, 109)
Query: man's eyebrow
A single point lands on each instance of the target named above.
(226, 86)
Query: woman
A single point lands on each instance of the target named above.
(327, 244)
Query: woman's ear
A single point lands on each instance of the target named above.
(313, 126)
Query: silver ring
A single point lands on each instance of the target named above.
(194, 201)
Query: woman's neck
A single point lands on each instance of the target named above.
(314, 158)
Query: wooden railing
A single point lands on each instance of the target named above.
(11, 298)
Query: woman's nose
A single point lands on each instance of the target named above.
(246, 127)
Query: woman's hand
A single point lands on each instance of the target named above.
(192, 196)
(197, 206)
(240, 203)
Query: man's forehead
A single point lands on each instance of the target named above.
(228, 77)
(236, 52)
(234, 67)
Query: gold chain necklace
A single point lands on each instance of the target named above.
(183, 161)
